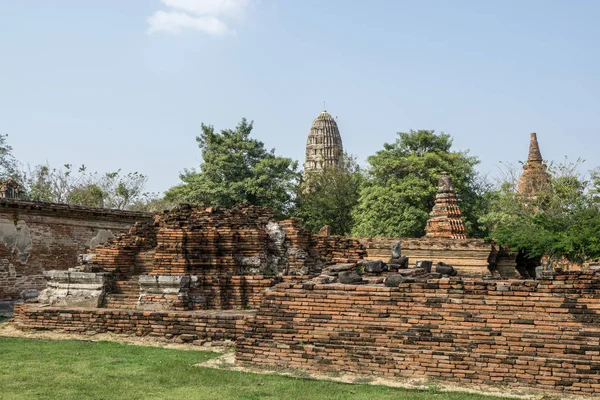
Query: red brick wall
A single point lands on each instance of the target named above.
(197, 327)
(35, 237)
(233, 292)
(538, 334)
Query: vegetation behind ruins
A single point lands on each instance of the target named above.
(561, 221)
(236, 168)
(391, 196)
(329, 197)
(401, 182)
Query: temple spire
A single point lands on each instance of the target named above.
(324, 145)
(534, 150)
(535, 177)
(446, 220)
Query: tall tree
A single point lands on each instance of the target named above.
(328, 197)
(401, 184)
(236, 168)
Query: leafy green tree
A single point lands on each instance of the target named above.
(72, 185)
(90, 195)
(401, 184)
(236, 168)
(328, 197)
(561, 222)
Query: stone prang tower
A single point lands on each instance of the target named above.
(324, 145)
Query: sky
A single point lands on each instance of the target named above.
(127, 84)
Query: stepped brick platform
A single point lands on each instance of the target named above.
(542, 335)
(196, 327)
(470, 257)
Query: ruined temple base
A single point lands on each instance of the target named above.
(470, 257)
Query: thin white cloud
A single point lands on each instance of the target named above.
(175, 22)
(208, 7)
(206, 16)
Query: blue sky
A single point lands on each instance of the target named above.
(126, 84)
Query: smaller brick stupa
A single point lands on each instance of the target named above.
(535, 177)
(446, 221)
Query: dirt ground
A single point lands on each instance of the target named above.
(226, 361)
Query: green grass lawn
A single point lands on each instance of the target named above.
(37, 369)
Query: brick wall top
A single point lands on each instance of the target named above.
(582, 284)
(55, 209)
(408, 243)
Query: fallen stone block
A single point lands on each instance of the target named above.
(395, 280)
(373, 266)
(425, 264)
(445, 269)
(350, 277)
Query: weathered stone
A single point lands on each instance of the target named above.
(334, 270)
(399, 263)
(164, 292)
(325, 279)
(74, 289)
(425, 264)
(445, 269)
(395, 280)
(542, 272)
(350, 277)
(373, 266)
(396, 250)
(29, 294)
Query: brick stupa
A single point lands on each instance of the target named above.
(535, 176)
(446, 221)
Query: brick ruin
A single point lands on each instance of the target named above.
(446, 221)
(37, 237)
(287, 298)
(540, 334)
(321, 303)
(535, 176)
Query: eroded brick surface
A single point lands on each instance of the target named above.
(196, 327)
(539, 334)
(37, 237)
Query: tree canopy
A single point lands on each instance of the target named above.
(75, 185)
(561, 221)
(328, 197)
(237, 168)
(401, 183)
